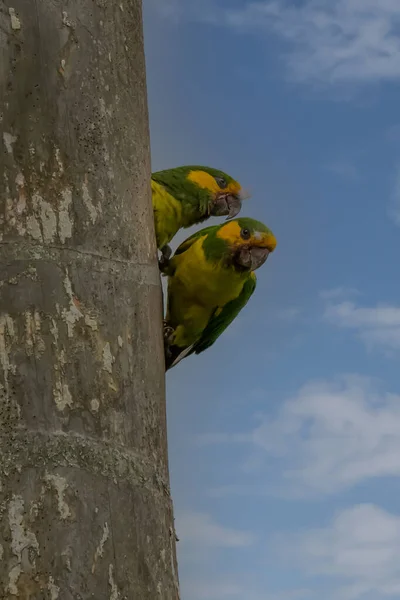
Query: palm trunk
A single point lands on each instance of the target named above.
(85, 508)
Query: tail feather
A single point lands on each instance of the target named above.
(171, 354)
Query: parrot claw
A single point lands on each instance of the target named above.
(168, 333)
(163, 261)
(163, 264)
(168, 341)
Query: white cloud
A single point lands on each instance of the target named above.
(328, 438)
(355, 556)
(349, 315)
(377, 326)
(329, 41)
(360, 549)
(200, 529)
(332, 41)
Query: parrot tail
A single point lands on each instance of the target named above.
(174, 354)
(171, 354)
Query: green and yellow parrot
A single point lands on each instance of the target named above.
(210, 279)
(188, 195)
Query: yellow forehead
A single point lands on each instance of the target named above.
(207, 182)
(231, 233)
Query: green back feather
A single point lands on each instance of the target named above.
(212, 245)
(195, 236)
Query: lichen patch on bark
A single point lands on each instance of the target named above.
(114, 593)
(22, 541)
(15, 21)
(53, 589)
(72, 314)
(60, 486)
(7, 339)
(9, 141)
(65, 221)
(100, 548)
(108, 358)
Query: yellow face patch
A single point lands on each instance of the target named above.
(231, 233)
(207, 182)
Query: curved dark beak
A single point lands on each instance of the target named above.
(258, 257)
(234, 205)
(226, 204)
(252, 258)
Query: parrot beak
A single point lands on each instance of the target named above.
(253, 255)
(251, 258)
(235, 205)
(226, 204)
(258, 257)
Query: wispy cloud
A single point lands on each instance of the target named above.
(377, 326)
(329, 437)
(200, 529)
(336, 41)
(358, 551)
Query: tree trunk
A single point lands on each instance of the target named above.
(85, 508)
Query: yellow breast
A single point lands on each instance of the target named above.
(197, 288)
(167, 214)
(206, 281)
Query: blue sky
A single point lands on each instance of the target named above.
(285, 436)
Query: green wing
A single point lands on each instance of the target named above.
(195, 236)
(219, 322)
(170, 269)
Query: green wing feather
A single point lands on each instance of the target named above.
(218, 323)
(195, 236)
(185, 245)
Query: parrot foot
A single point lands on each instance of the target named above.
(163, 261)
(168, 340)
(163, 264)
(168, 333)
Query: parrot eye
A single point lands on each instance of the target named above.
(221, 182)
(245, 234)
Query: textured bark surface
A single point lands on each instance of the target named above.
(85, 509)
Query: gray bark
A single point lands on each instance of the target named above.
(85, 508)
